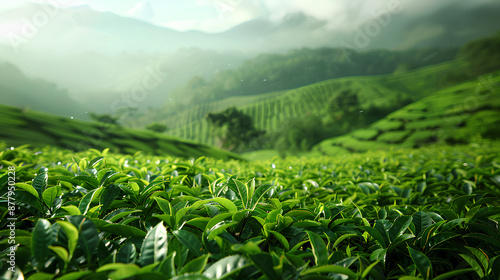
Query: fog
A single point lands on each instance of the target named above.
(98, 52)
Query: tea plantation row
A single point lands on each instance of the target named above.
(455, 115)
(405, 214)
(272, 110)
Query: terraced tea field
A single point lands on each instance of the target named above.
(271, 110)
(460, 114)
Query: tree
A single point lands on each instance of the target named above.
(346, 102)
(157, 127)
(235, 129)
(104, 118)
(482, 55)
(299, 134)
(346, 108)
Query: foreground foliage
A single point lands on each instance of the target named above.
(408, 214)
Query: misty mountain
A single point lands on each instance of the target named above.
(81, 29)
(105, 57)
(296, 68)
(150, 85)
(18, 90)
(450, 26)
(102, 56)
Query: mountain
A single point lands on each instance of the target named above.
(275, 111)
(100, 56)
(151, 83)
(93, 31)
(18, 90)
(107, 33)
(300, 67)
(452, 25)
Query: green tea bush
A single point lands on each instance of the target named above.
(403, 214)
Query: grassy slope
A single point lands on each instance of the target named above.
(272, 109)
(40, 129)
(455, 115)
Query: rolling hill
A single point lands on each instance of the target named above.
(271, 110)
(292, 112)
(271, 72)
(19, 127)
(461, 114)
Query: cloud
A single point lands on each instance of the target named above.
(213, 16)
(339, 15)
(142, 10)
(346, 15)
(182, 25)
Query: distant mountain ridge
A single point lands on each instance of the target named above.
(20, 91)
(300, 67)
(107, 33)
(105, 51)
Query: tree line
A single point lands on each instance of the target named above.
(274, 72)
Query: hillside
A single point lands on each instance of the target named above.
(459, 114)
(110, 54)
(303, 116)
(270, 111)
(16, 89)
(18, 127)
(271, 72)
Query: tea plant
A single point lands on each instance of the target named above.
(406, 214)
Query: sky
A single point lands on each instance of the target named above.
(209, 16)
(214, 16)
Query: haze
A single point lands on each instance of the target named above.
(94, 52)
